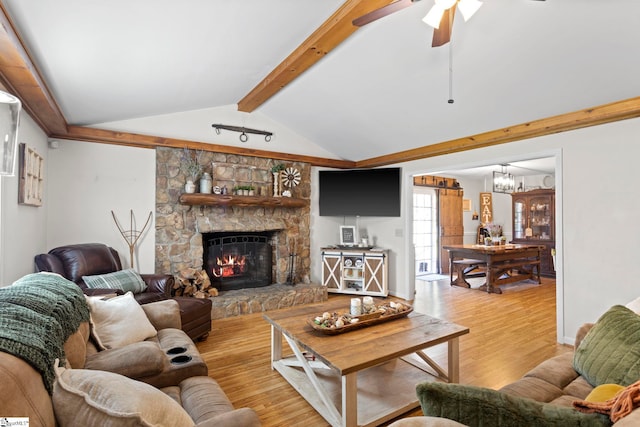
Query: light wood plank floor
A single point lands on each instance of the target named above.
(509, 334)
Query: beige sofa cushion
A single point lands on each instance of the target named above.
(208, 405)
(119, 321)
(22, 392)
(552, 381)
(75, 348)
(106, 399)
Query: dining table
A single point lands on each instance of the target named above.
(502, 264)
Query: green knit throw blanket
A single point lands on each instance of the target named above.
(37, 314)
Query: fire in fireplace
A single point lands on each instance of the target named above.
(238, 260)
(229, 265)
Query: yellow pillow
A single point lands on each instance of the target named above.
(604, 392)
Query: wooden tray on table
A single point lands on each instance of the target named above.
(364, 320)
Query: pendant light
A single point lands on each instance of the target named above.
(9, 120)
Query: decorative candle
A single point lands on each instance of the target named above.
(356, 307)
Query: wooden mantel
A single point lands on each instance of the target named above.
(200, 199)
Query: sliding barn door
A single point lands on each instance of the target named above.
(450, 222)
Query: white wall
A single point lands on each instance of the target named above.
(598, 235)
(22, 227)
(86, 182)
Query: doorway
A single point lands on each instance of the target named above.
(477, 177)
(425, 231)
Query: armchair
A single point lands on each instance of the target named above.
(89, 259)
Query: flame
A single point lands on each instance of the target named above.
(229, 265)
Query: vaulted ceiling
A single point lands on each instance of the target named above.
(360, 96)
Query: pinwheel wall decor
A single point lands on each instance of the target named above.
(291, 177)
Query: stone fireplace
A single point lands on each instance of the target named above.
(181, 229)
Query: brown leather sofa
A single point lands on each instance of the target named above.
(88, 259)
(131, 385)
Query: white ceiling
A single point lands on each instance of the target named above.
(382, 91)
(532, 167)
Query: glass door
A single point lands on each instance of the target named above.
(425, 236)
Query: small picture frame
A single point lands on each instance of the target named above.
(347, 235)
(466, 205)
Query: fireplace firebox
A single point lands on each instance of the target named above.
(235, 260)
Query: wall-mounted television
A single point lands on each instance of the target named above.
(360, 192)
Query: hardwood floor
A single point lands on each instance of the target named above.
(509, 334)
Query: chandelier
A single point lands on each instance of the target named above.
(503, 181)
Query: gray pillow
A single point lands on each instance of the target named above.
(126, 280)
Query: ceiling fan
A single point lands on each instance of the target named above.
(440, 16)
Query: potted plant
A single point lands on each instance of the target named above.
(190, 164)
(495, 231)
(277, 168)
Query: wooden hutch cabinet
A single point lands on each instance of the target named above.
(533, 215)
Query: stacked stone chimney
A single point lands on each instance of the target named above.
(179, 227)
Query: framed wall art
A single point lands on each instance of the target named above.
(31, 174)
(347, 235)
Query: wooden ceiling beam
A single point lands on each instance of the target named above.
(82, 133)
(330, 34)
(19, 75)
(607, 113)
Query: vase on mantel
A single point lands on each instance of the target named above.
(276, 184)
(190, 187)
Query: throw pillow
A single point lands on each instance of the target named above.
(610, 352)
(126, 280)
(119, 321)
(100, 398)
(477, 406)
(604, 392)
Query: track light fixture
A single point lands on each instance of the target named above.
(243, 131)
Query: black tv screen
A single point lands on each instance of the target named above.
(360, 192)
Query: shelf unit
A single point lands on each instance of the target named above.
(202, 199)
(355, 271)
(533, 215)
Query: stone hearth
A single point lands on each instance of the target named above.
(254, 300)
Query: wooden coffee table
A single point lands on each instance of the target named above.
(366, 376)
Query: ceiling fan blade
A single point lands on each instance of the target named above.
(442, 35)
(374, 15)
